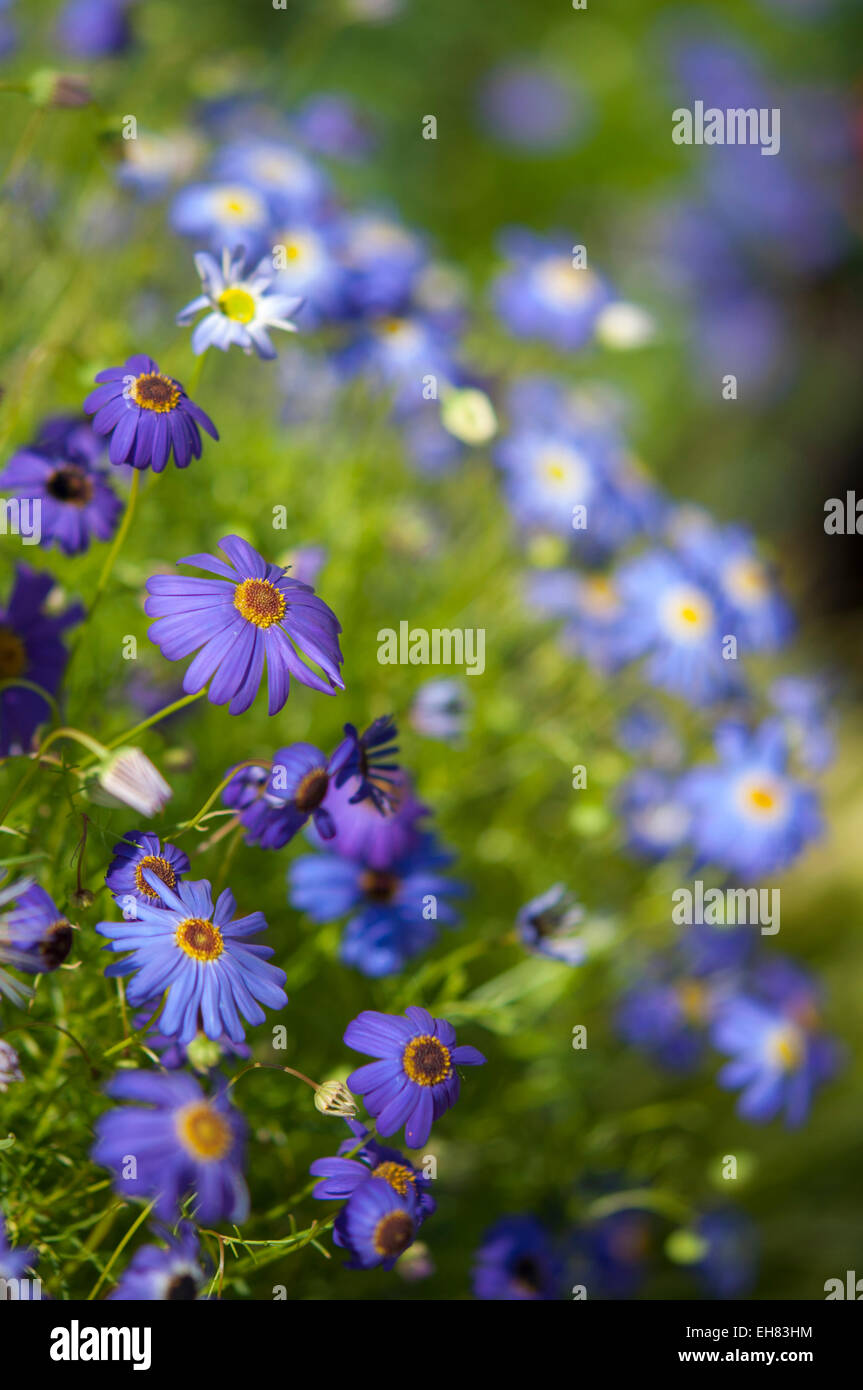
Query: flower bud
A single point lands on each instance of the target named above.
(129, 776)
(334, 1098)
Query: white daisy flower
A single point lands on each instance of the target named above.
(241, 308)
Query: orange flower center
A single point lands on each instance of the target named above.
(260, 602)
(200, 939)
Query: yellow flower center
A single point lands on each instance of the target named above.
(237, 304)
(426, 1060)
(786, 1048)
(13, 654)
(693, 1000)
(200, 939)
(154, 391)
(397, 1175)
(158, 866)
(761, 799)
(203, 1132)
(393, 1234)
(260, 602)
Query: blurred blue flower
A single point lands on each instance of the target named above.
(171, 1274)
(542, 294)
(517, 1262)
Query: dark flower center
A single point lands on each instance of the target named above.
(526, 1274)
(182, 1287)
(379, 886)
(312, 790)
(393, 1234)
(56, 944)
(158, 866)
(70, 484)
(153, 391)
(426, 1060)
(13, 655)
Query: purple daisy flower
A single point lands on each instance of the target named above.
(363, 833)
(198, 953)
(146, 414)
(30, 648)
(37, 932)
(183, 1142)
(341, 1176)
(252, 611)
(171, 1275)
(75, 502)
(300, 781)
(139, 850)
(376, 1225)
(269, 822)
(414, 1081)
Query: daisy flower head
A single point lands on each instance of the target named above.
(231, 212)
(341, 1176)
(137, 851)
(376, 1225)
(196, 950)
(38, 935)
(748, 814)
(240, 307)
(183, 1141)
(251, 611)
(778, 1061)
(168, 1274)
(30, 649)
(147, 416)
(545, 292)
(551, 925)
(60, 473)
(517, 1262)
(414, 1081)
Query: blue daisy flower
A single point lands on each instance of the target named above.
(331, 125)
(396, 910)
(229, 213)
(656, 813)
(94, 28)
(778, 1062)
(395, 352)
(678, 622)
(147, 415)
(749, 816)
(170, 1274)
(291, 183)
(31, 649)
(550, 925)
(342, 1176)
(726, 556)
(597, 626)
(728, 1263)
(199, 954)
(137, 851)
(383, 260)
(59, 471)
(184, 1142)
(240, 307)
(252, 611)
(415, 1080)
(306, 261)
(300, 781)
(517, 1262)
(543, 295)
(376, 1225)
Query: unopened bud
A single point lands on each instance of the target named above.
(334, 1098)
(129, 776)
(50, 88)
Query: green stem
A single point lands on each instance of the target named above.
(129, 735)
(110, 561)
(195, 821)
(120, 1248)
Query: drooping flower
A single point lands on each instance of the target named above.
(30, 649)
(171, 1273)
(395, 910)
(415, 1080)
(199, 954)
(376, 1225)
(183, 1142)
(365, 757)
(147, 415)
(139, 850)
(550, 925)
(60, 472)
(341, 1176)
(241, 307)
(129, 777)
(252, 611)
(749, 815)
(517, 1262)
